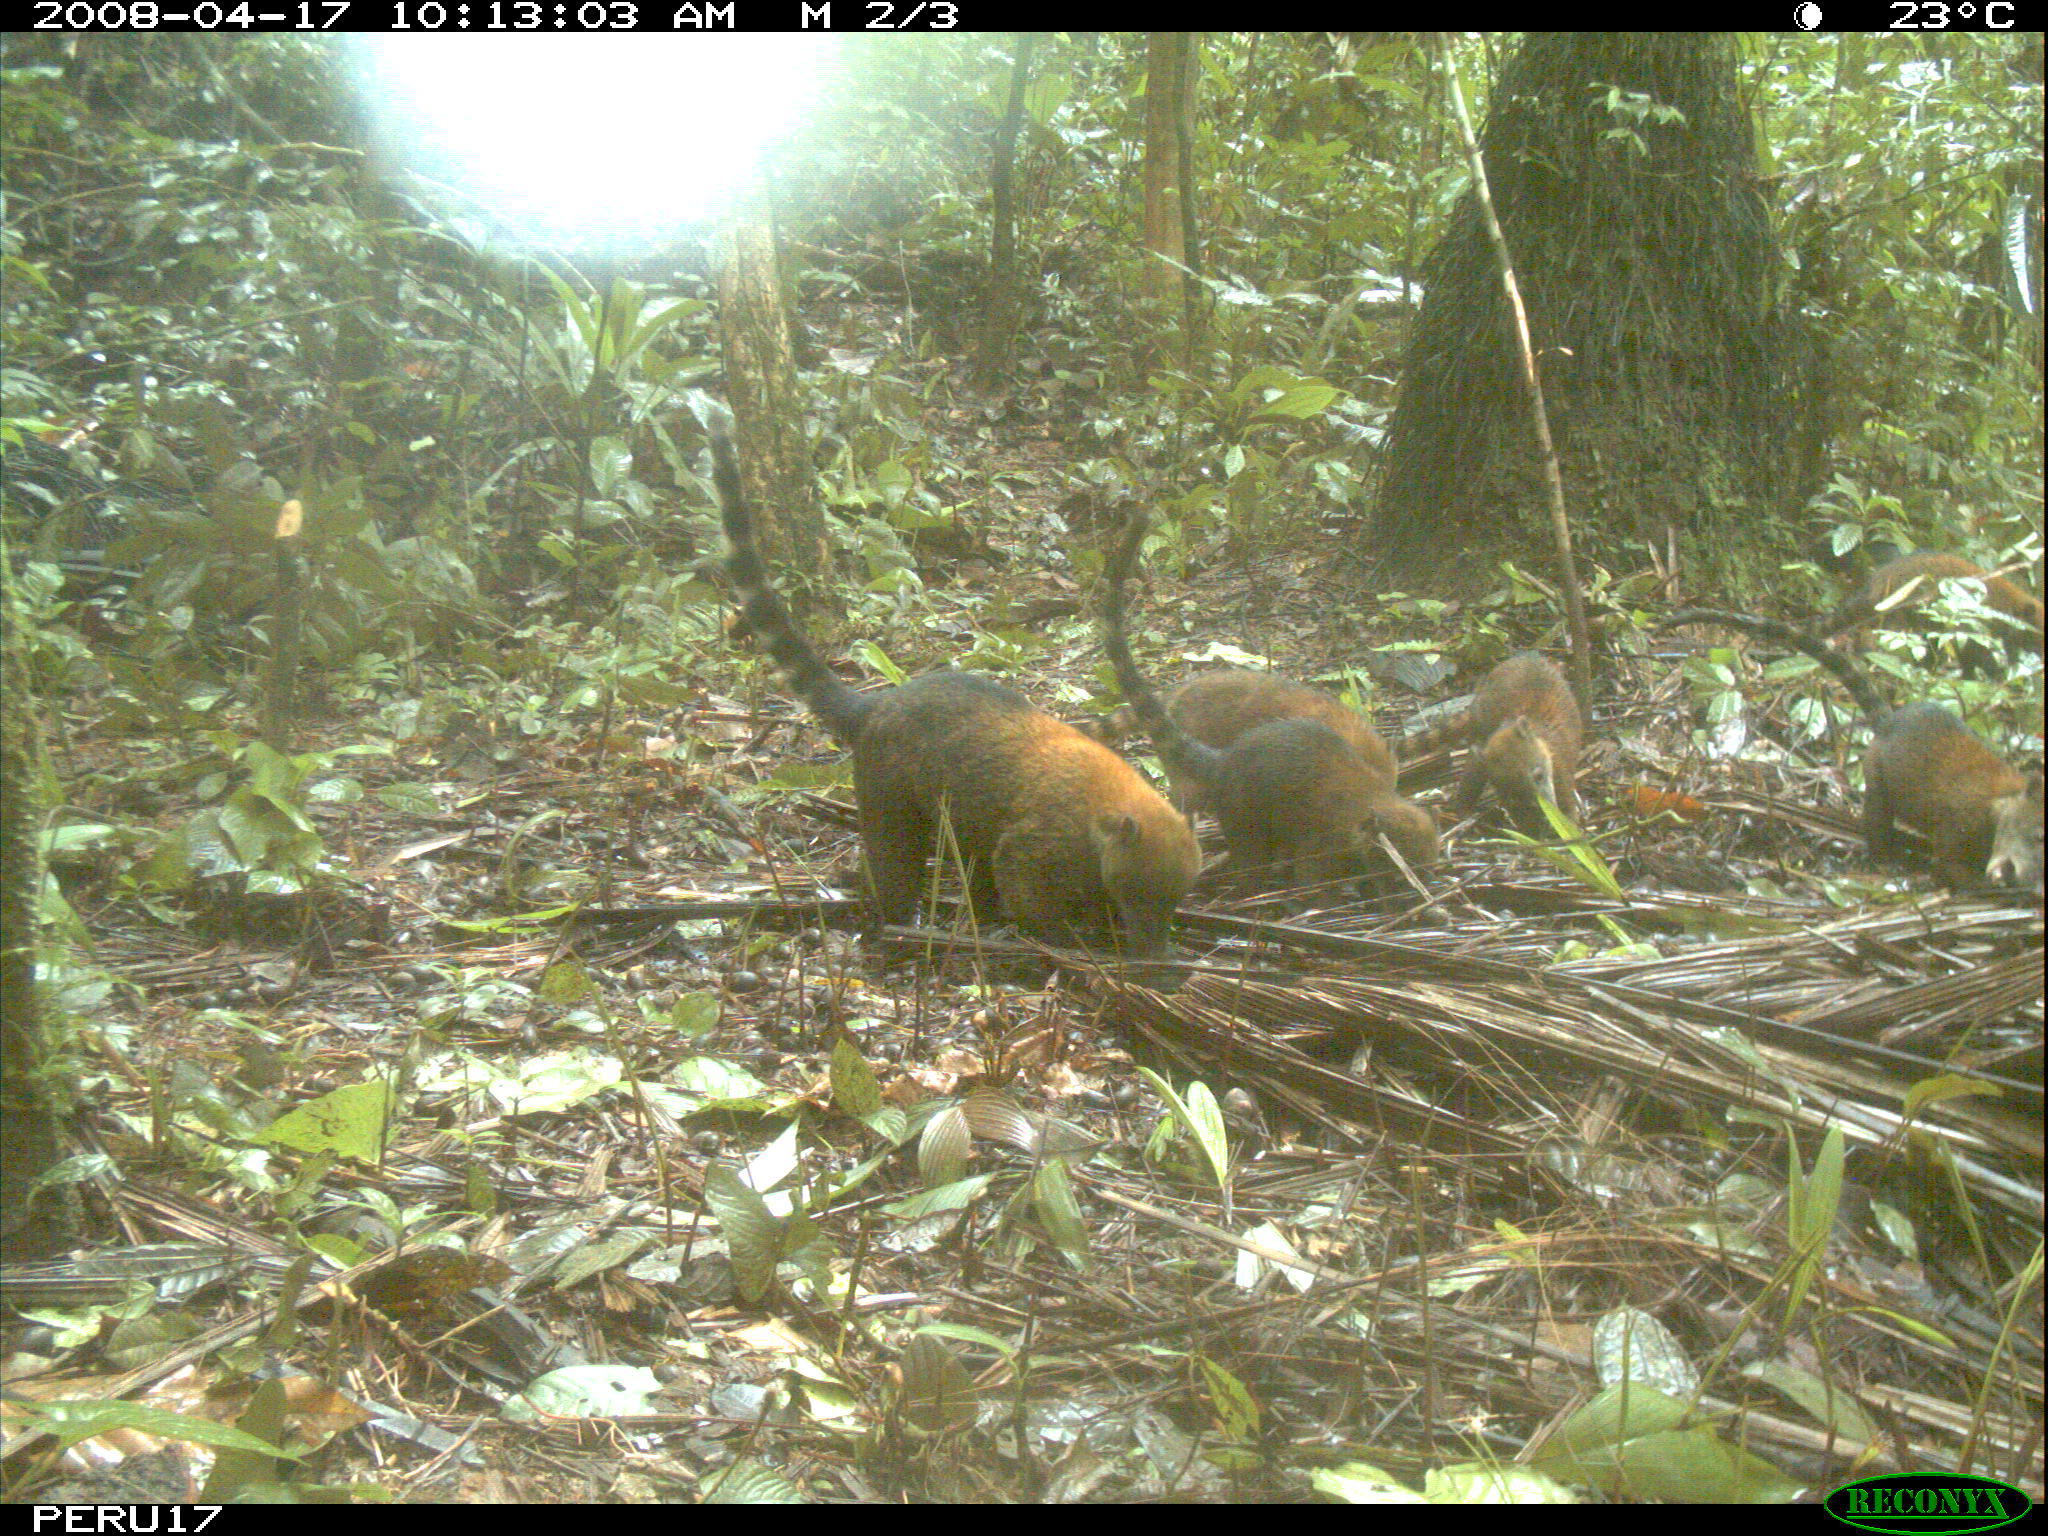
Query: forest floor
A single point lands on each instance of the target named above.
(720, 1194)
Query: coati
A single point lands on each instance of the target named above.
(1218, 707)
(1057, 832)
(1982, 820)
(1523, 724)
(1930, 569)
(1267, 758)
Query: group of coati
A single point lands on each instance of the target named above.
(1057, 833)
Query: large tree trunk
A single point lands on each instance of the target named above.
(1623, 172)
(31, 1224)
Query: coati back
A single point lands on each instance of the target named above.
(1928, 569)
(1060, 834)
(1216, 708)
(1219, 707)
(1982, 819)
(1523, 724)
(1288, 786)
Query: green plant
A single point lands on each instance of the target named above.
(261, 834)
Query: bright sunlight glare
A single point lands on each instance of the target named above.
(595, 145)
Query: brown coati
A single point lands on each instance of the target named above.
(1060, 834)
(1289, 789)
(1523, 724)
(1928, 570)
(1982, 820)
(1218, 707)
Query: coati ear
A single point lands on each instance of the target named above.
(1116, 829)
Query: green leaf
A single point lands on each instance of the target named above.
(1205, 1120)
(873, 656)
(75, 835)
(943, 1147)
(753, 1234)
(1940, 1089)
(720, 1082)
(208, 848)
(958, 1195)
(1236, 1410)
(1830, 1404)
(1492, 1483)
(1357, 1482)
(71, 1422)
(407, 799)
(1204, 1126)
(1052, 1197)
(588, 1392)
(517, 922)
(888, 1122)
(1697, 1466)
(751, 1483)
(697, 1013)
(349, 1122)
(1578, 857)
(855, 1089)
(1810, 1209)
(938, 1394)
(566, 982)
(967, 1333)
(1300, 402)
(238, 1467)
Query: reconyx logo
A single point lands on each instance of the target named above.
(1927, 1502)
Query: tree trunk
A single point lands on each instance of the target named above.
(1166, 98)
(32, 1224)
(1624, 176)
(760, 382)
(1005, 295)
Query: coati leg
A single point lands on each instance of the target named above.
(1880, 827)
(1471, 786)
(1250, 858)
(1028, 890)
(1185, 793)
(897, 840)
(1314, 865)
(899, 833)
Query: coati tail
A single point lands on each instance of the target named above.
(1901, 584)
(841, 709)
(1448, 731)
(1849, 674)
(1183, 755)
